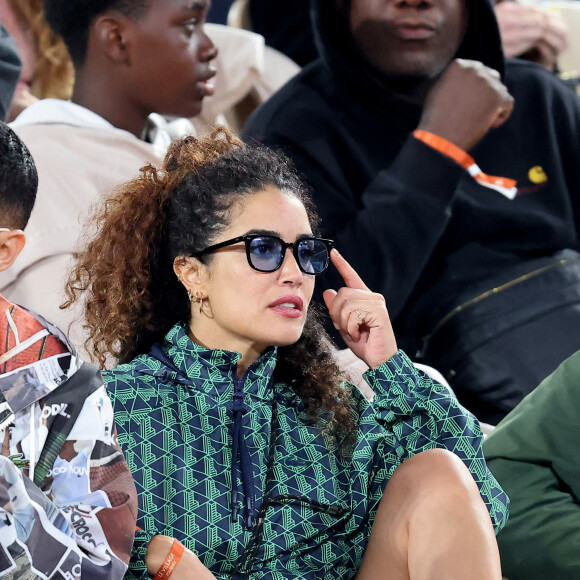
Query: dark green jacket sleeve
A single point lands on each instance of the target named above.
(535, 455)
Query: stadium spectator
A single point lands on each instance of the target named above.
(131, 58)
(68, 503)
(246, 445)
(482, 277)
(534, 454)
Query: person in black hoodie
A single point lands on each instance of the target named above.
(481, 284)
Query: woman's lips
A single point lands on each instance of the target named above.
(288, 306)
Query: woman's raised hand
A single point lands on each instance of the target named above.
(360, 316)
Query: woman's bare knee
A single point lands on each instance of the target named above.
(419, 483)
(430, 510)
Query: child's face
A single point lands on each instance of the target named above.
(171, 68)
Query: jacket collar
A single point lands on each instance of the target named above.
(211, 371)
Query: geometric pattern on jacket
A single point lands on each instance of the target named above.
(174, 409)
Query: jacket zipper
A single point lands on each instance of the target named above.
(247, 558)
(241, 459)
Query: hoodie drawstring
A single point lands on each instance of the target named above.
(241, 461)
(240, 455)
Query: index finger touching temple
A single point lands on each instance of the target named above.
(348, 273)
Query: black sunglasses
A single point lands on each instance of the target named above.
(266, 253)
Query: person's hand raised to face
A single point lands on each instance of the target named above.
(467, 101)
(360, 316)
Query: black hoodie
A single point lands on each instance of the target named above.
(412, 222)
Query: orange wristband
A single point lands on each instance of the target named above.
(171, 561)
(503, 185)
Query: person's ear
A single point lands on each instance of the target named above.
(192, 274)
(11, 244)
(110, 30)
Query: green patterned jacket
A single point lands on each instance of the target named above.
(189, 429)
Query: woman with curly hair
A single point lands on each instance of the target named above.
(252, 454)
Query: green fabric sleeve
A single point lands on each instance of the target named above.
(534, 454)
(423, 414)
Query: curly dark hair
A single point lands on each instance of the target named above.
(72, 19)
(133, 296)
(18, 180)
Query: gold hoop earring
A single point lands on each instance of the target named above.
(199, 298)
